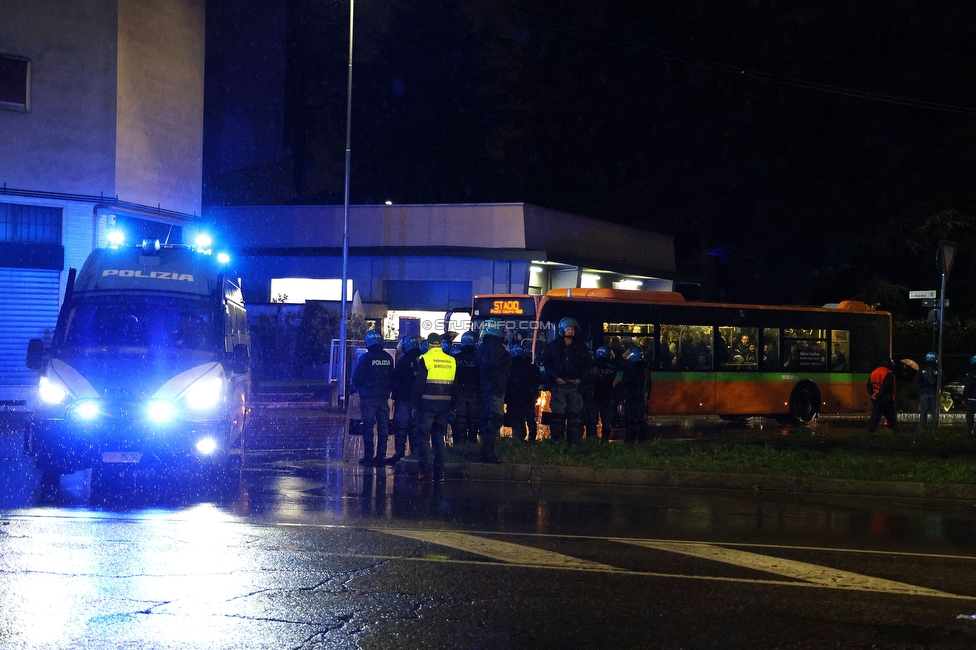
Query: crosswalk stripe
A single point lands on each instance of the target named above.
(503, 551)
(813, 573)
(810, 575)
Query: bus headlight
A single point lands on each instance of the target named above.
(205, 394)
(51, 392)
(86, 410)
(161, 411)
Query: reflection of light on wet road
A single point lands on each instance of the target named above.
(127, 567)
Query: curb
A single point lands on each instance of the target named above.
(516, 473)
(707, 480)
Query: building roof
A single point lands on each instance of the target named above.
(558, 236)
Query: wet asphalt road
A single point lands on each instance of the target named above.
(314, 555)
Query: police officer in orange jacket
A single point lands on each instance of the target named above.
(881, 387)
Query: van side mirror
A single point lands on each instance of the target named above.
(35, 354)
(242, 359)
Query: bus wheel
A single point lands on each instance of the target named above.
(804, 405)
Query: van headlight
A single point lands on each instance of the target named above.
(51, 392)
(205, 394)
(86, 410)
(161, 411)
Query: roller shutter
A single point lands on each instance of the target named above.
(28, 310)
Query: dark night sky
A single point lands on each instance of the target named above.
(799, 152)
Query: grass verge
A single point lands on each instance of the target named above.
(943, 456)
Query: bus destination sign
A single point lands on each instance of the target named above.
(504, 306)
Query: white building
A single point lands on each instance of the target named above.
(101, 119)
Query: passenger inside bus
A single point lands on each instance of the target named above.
(770, 354)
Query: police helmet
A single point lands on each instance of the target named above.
(567, 323)
(410, 342)
(493, 327)
(603, 352)
(633, 355)
(932, 357)
(372, 338)
(468, 338)
(455, 350)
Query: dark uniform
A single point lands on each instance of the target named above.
(599, 403)
(635, 387)
(405, 426)
(522, 394)
(926, 380)
(566, 368)
(494, 365)
(881, 387)
(468, 422)
(433, 398)
(373, 380)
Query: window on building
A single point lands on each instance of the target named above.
(14, 82)
(30, 224)
(30, 237)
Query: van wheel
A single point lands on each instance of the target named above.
(804, 405)
(50, 478)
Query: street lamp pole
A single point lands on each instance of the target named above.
(945, 257)
(343, 322)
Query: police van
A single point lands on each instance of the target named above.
(148, 368)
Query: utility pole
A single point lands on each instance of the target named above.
(343, 320)
(944, 256)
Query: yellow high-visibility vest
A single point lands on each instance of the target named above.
(441, 369)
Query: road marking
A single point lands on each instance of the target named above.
(812, 573)
(503, 551)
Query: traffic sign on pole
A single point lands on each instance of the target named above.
(928, 293)
(947, 254)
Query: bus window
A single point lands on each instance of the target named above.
(804, 349)
(840, 349)
(686, 347)
(770, 349)
(620, 337)
(739, 347)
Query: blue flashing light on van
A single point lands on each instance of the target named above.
(149, 364)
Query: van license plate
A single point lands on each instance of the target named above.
(121, 457)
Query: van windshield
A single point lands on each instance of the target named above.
(141, 322)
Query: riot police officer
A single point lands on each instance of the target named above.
(926, 380)
(635, 386)
(522, 394)
(468, 381)
(566, 365)
(405, 426)
(372, 379)
(599, 403)
(494, 365)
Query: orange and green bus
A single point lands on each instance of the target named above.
(730, 360)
